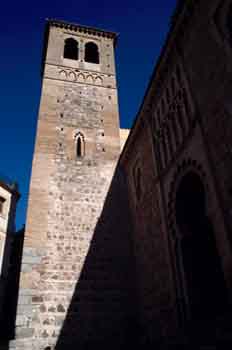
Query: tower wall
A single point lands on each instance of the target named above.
(72, 287)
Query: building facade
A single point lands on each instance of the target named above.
(182, 215)
(132, 246)
(9, 196)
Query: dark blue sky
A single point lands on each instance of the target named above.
(142, 26)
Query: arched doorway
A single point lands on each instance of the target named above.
(202, 271)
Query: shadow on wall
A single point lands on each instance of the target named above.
(101, 312)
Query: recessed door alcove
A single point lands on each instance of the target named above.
(201, 266)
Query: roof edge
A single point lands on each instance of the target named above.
(175, 19)
(83, 28)
(11, 188)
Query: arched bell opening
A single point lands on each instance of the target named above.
(71, 49)
(91, 53)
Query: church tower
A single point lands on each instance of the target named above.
(76, 151)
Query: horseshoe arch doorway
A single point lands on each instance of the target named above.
(204, 283)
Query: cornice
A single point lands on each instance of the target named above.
(83, 29)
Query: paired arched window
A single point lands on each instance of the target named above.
(80, 145)
(71, 49)
(91, 53)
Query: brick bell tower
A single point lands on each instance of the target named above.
(76, 151)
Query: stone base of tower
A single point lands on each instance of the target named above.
(84, 294)
(26, 344)
(40, 344)
(209, 335)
